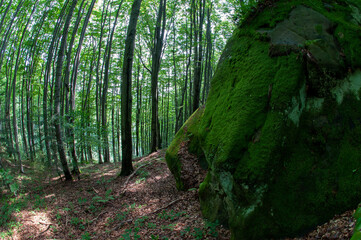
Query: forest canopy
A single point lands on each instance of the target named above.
(61, 74)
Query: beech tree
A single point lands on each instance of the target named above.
(67, 78)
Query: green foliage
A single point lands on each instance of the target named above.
(151, 225)
(212, 228)
(7, 180)
(39, 202)
(77, 222)
(168, 227)
(82, 200)
(6, 214)
(198, 233)
(171, 215)
(108, 197)
(130, 234)
(140, 221)
(8, 209)
(86, 236)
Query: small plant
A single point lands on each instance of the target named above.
(77, 222)
(212, 228)
(108, 197)
(171, 215)
(130, 234)
(39, 202)
(102, 182)
(143, 173)
(8, 181)
(154, 237)
(198, 233)
(86, 236)
(140, 221)
(121, 216)
(6, 214)
(82, 200)
(169, 227)
(151, 225)
(58, 216)
(186, 231)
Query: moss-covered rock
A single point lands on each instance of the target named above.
(281, 129)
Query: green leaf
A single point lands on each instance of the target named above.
(14, 188)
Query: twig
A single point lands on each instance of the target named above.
(132, 219)
(162, 208)
(95, 190)
(131, 175)
(45, 223)
(43, 232)
(98, 216)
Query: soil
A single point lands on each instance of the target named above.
(145, 205)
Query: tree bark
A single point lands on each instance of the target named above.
(105, 88)
(156, 61)
(57, 97)
(126, 106)
(56, 31)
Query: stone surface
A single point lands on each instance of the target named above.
(281, 129)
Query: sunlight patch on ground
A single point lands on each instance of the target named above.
(33, 223)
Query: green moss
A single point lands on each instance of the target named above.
(351, 85)
(280, 159)
(184, 134)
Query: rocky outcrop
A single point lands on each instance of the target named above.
(281, 129)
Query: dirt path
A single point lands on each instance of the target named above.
(104, 206)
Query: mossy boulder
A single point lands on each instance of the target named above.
(281, 129)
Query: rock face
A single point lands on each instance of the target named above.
(280, 133)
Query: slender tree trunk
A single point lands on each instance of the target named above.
(105, 88)
(156, 61)
(126, 107)
(56, 31)
(15, 125)
(198, 48)
(57, 88)
(70, 102)
(98, 81)
(138, 111)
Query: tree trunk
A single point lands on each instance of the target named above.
(56, 31)
(156, 60)
(57, 96)
(126, 107)
(15, 125)
(98, 81)
(198, 48)
(69, 87)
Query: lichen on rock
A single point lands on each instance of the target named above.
(281, 128)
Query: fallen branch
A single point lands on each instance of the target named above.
(98, 216)
(162, 208)
(42, 232)
(95, 191)
(130, 176)
(156, 211)
(45, 223)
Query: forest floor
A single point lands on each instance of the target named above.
(102, 205)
